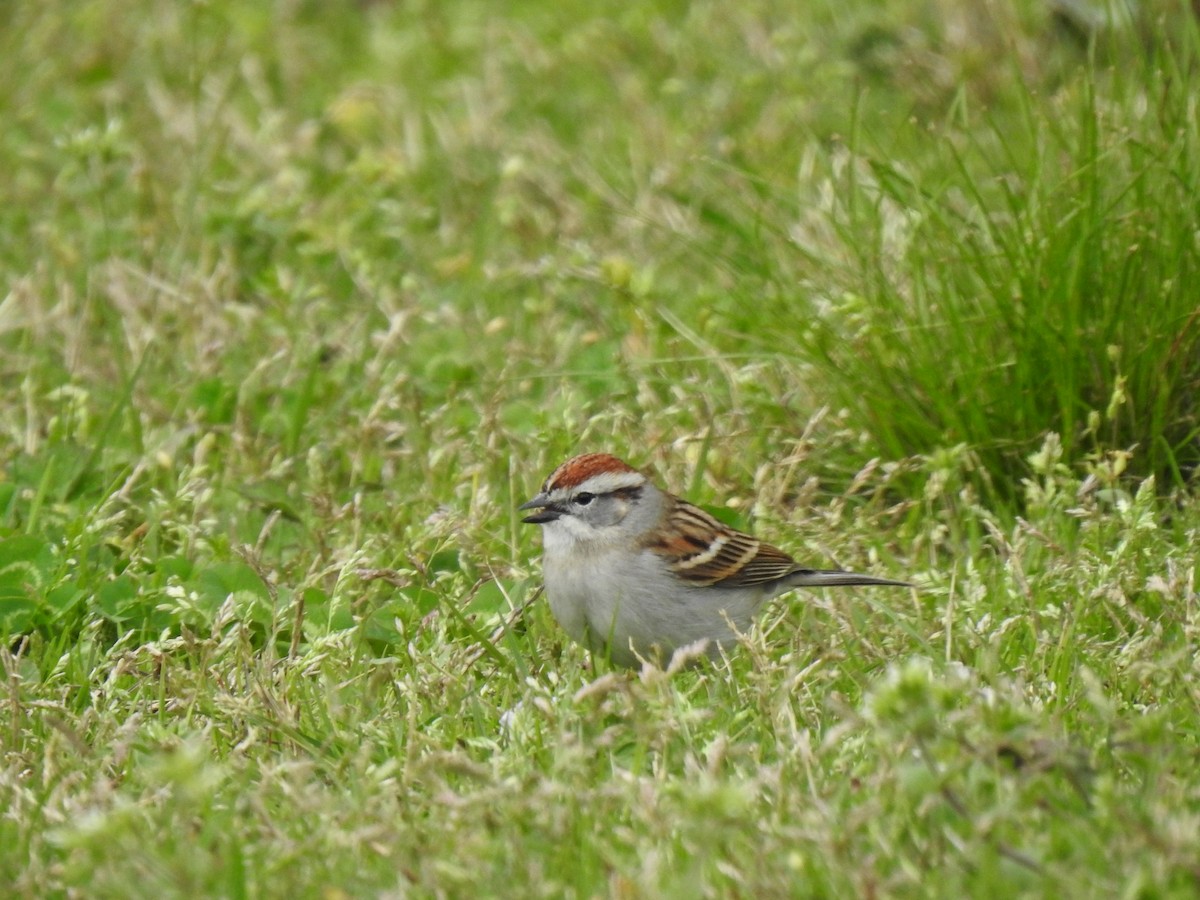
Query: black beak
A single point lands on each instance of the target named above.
(549, 512)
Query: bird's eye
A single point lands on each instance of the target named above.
(584, 499)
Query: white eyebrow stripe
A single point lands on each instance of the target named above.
(608, 482)
(706, 556)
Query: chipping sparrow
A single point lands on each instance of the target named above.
(633, 571)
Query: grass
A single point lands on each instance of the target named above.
(1089, 327)
(301, 299)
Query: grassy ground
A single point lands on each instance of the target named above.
(300, 299)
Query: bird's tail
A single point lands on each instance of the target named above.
(837, 578)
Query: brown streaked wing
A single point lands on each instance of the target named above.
(769, 564)
(739, 561)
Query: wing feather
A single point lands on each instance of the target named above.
(703, 551)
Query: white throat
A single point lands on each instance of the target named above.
(568, 532)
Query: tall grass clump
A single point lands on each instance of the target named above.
(1033, 274)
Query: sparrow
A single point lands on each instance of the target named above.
(634, 572)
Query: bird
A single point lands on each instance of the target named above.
(634, 573)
